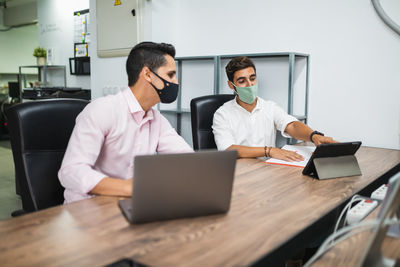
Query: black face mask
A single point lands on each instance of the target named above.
(170, 91)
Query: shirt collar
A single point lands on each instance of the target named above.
(137, 112)
(257, 107)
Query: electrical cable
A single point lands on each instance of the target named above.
(345, 210)
(347, 232)
(386, 19)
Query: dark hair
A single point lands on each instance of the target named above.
(238, 63)
(149, 54)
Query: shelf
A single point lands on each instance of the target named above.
(8, 73)
(48, 93)
(300, 117)
(195, 58)
(44, 66)
(217, 60)
(41, 75)
(185, 110)
(277, 54)
(175, 111)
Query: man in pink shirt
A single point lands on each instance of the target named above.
(112, 130)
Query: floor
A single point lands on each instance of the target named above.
(9, 201)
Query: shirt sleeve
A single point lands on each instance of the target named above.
(170, 141)
(222, 131)
(282, 119)
(77, 169)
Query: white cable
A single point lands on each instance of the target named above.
(356, 231)
(344, 231)
(333, 236)
(386, 19)
(350, 234)
(363, 226)
(327, 244)
(345, 210)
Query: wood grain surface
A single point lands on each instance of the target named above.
(270, 204)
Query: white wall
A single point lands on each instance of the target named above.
(16, 46)
(355, 57)
(56, 25)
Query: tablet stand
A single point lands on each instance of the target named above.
(333, 167)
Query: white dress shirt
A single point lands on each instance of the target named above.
(233, 125)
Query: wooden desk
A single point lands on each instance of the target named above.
(272, 207)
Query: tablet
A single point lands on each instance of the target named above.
(330, 151)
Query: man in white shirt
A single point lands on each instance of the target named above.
(248, 123)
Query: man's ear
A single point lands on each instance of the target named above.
(146, 74)
(230, 84)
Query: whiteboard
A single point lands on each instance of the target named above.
(117, 28)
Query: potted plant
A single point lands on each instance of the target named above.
(40, 54)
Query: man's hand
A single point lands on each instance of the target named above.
(287, 155)
(320, 139)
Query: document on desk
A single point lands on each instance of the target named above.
(305, 151)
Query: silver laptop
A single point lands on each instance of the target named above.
(172, 186)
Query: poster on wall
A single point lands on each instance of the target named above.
(81, 50)
(81, 26)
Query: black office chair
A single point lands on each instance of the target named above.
(39, 133)
(202, 111)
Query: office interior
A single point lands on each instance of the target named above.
(345, 80)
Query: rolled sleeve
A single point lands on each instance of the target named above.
(282, 119)
(77, 173)
(222, 131)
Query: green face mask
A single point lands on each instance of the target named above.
(247, 94)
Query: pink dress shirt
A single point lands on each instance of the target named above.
(108, 134)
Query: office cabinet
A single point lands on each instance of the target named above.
(118, 27)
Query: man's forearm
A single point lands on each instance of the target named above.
(248, 152)
(113, 187)
(299, 130)
(255, 152)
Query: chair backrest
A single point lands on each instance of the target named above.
(202, 111)
(39, 133)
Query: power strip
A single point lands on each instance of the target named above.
(361, 210)
(380, 193)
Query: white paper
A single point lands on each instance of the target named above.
(305, 151)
